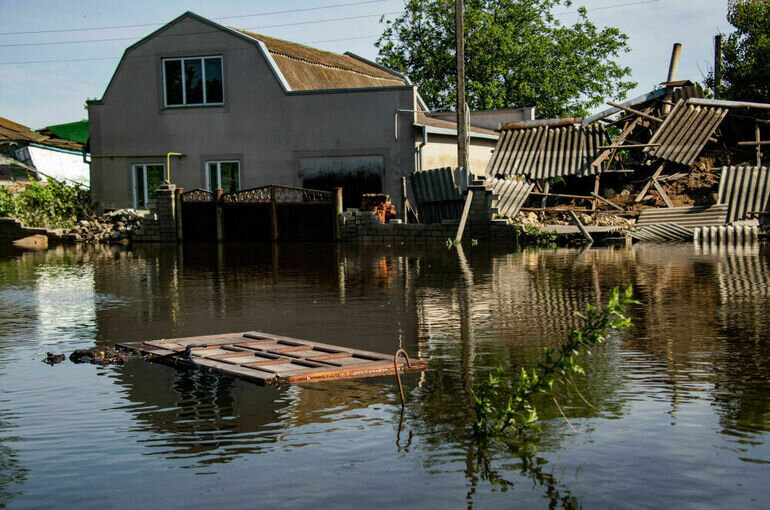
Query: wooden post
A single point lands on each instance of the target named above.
(337, 213)
(220, 215)
(178, 206)
(759, 144)
(464, 217)
(546, 190)
(596, 192)
(717, 64)
(403, 199)
(273, 215)
(462, 119)
(646, 187)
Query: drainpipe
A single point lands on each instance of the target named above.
(422, 144)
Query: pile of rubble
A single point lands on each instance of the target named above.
(113, 227)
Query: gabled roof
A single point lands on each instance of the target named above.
(307, 68)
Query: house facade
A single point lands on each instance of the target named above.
(208, 106)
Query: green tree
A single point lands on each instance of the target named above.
(746, 53)
(517, 54)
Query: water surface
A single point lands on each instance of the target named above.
(673, 412)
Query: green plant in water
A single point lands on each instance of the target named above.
(451, 242)
(474, 242)
(504, 406)
(532, 235)
(50, 205)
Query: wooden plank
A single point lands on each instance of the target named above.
(646, 187)
(604, 200)
(662, 192)
(270, 359)
(464, 217)
(581, 227)
(635, 112)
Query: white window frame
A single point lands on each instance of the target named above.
(219, 173)
(144, 175)
(184, 83)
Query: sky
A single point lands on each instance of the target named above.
(56, 54)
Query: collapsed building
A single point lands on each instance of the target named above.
(668, 165)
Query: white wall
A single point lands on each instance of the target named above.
(62, 166)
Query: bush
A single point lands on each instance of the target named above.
(50, 205)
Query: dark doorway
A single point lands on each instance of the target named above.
(353, 185)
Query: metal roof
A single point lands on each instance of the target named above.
(685, 132)
(436, 195)
(688, 216)
(511, 195)
(543, 152)
(663, 232)
(744, 189)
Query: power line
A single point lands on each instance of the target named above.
(112, 39)
(131, 56)
(62, 30)
(614, 6)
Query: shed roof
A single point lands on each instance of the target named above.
(13, 132)
(427, 120)
(307, 68)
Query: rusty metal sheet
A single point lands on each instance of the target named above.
(744, 189)
(544, 152)
(270, 359)
(511, 195)
(689, 216)
(685, 132)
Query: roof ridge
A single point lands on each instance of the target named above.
(327, 66)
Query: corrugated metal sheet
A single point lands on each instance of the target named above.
(661, 233)
(685, 132)
(689, 216)
(543, 152)
(744, 189)
(511, 195)
(436, 195)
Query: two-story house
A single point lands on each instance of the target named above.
(246, 110)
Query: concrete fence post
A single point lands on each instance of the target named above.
(337, 213)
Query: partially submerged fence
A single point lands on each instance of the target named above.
(267, 213)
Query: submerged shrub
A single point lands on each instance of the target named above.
(52, 204)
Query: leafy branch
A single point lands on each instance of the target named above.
(505, 408)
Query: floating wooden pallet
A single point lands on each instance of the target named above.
(270, 359)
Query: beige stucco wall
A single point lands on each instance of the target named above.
(260, 125)
(441, 151)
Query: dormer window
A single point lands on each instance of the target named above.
(193, 81)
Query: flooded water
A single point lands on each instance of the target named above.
(672, 412)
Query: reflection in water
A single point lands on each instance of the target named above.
(685, 385)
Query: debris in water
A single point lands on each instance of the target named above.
(52, 359)
(98, 356)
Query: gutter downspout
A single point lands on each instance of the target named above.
(419, 147)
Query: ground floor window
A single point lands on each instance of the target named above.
(223, 174)
(147, 178)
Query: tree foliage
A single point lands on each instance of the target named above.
(746, 53)
(517, 54)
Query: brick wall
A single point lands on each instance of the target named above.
(161, 225)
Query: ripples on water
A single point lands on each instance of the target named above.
(677, 408)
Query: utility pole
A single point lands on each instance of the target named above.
(717, 64)
(462, 113)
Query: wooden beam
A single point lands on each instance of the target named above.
(646, 187)
(580, 227)
(546, 189)
(561, 195)
(635, 112)
(629, 146)
(604, 200)
(662, 192)
(464, 217)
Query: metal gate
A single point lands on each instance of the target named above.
(199, 213)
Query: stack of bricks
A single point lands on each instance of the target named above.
(380, 204)
(161, 227)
